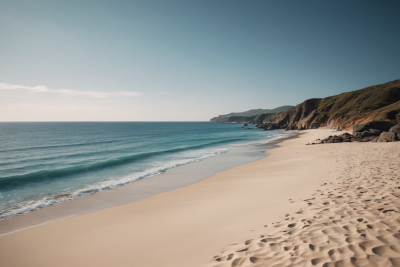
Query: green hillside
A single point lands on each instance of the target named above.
(246, 116)
(378, 102)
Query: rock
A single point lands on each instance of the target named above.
(365, 136)
(372, 132)
(375, 131)
(387, 137)
(364, 132)
(382, 126)
(268, 126)
(357, 134)
(272, 127)
(395, 129)
(346, 137)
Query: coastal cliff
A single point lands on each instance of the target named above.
(247, 116)
(374, 103)
(378, 102)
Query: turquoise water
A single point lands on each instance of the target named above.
(44, 163)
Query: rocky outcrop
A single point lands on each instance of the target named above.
(368, 131)
(346, 137)
(366, 134)
(381, 126)
(264, 118)
(388, 137)
(395, 129)
(374, 103)
(267, 126)
(371, 132)
(303, 116)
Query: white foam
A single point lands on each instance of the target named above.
(191, 157)
(106, 185)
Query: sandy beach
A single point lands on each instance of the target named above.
(302, 205)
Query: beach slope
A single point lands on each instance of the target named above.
(207, 223)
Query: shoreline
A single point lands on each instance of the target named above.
(182, 227)
(203, 223)
(353, 219)
(169, 180)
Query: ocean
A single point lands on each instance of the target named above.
(44, 163)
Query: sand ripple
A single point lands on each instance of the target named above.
(353, 222)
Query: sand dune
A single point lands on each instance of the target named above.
(354, 221)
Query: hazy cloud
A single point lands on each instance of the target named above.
(160, 93)
(44, 89)
(127, 93)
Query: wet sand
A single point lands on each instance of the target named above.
(171, 179)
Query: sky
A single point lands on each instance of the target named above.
(186, 60)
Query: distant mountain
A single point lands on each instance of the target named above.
(374, 103)
(247, 116)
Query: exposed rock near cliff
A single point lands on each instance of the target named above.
(382, 126)
(373, 131)
(378, 102)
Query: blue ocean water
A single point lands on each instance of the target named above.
(43, 163)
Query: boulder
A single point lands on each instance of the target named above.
(346, 137)
(395, 129)
(372, 132)
(366, 136)
(268, 126)
(383, 126)
(387, 137)
(375, 131)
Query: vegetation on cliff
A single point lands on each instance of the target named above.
(378, 102)
(247, 116)
(374, 103)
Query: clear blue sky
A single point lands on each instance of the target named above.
(187, 60)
